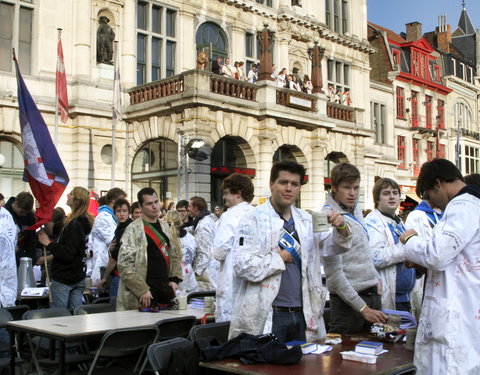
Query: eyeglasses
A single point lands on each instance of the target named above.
(182, 210)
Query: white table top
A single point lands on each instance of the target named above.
(70, 327)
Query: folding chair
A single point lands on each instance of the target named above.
(5, 317)
(217, 330)
(172, 328)
(94, 308)
(120, 343)
(50, 345)
(159, 354)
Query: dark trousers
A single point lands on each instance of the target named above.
(345, 320)
(289, 326)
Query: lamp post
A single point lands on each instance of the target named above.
(187, 148)
(315, 52)
(265, 35)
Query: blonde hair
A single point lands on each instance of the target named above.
(81, 201)
(172, 218)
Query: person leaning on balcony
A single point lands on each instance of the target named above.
(217, 65)
(227, 69)
(252, 74)
(282, 78)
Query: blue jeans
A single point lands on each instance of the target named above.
(289, 326)
(67, 296)
(114, 286)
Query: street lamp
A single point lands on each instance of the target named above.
(188, 148)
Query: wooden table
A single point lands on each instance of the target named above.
(328, 363)
(78, 327)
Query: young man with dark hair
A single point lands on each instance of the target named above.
(149, 263)
(182, 209)
(237, 195)
(21, 209)
(135, 210)
(384, 229)
(204, 228)
(277, 260)
(102, 234)
(449, 324)
(351, 277)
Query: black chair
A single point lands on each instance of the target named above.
(93, 309)
(326, 318)
(50, 345)
(159, 354)
(17, 311)
(410, 370)
(101, 300)
(201, 294)
(217, 330)
(172, 328)
(120, 343)
(6, 317)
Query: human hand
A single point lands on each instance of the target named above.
(406, 234)
(146, 299)
(174, 286)
(286, 256)
(101, 283)
(335, 219)
(43, 238)
(373, 316)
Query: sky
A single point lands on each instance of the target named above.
(394, 14)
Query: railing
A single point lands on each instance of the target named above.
(340, 112)
(233, 87)
(296, 99)
(156, 90)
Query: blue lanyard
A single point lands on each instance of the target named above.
(358, 221)
(396, 231)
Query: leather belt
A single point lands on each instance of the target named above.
(287, 309)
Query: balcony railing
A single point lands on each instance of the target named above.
(233, 87)
(156, 90)
(340, 112)
(296, 99)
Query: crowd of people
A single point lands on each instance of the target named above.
(265, 262)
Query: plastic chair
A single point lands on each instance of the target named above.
(217, 330)
(17, 311)
(6, 317)
(411, 370)
(201, 294)
(93, 309)
(172, 328)
(120, 343)
(159, 354)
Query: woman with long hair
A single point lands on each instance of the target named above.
(68, 264)
(185, 241)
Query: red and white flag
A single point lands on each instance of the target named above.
(61, 84)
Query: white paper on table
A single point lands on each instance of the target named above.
(322, 349)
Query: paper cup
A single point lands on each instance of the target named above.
(209, 305)
(411, 336)
(320, 222)
(182, 302)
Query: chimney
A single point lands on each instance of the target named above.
(444, 34)
(414, 31)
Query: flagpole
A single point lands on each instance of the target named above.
(115, 108)
(55, 134)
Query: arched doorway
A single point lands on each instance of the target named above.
(11, 169)
(156, 165)
(212, 40)
(228, 157)
(331, 159)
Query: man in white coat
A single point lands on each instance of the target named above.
(8, 266)
(447, 337)
(384, 230)
(277, 258)
(237, 194)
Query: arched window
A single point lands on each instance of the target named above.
(463, 116)
(11, 169)
(211, 36)
(156, 165)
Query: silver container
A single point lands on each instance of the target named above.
(25, 274)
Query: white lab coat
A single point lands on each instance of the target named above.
(222, 251)
(203, 263)
(257, 262)
(101, 236)
(8, 266)
(447, 337)
(189, 248)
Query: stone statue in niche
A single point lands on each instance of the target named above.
(105, 37)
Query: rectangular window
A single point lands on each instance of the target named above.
(428, 111)
(16, 22)
(430, 150)
(268, 3)
(472, 158)
(401, 154)
(416, 156)
(337, 15)
(440, 114)
(156, 41)
(400, 102)
(414, 104)
(338, 74)
(252, 50)
(441, 151)
(396, 58)
(377, 112)
(249, 44)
